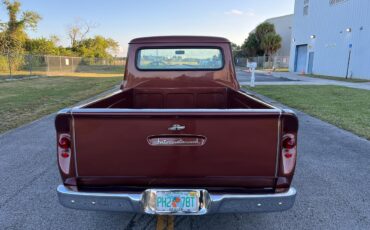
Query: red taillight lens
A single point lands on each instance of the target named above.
(289, 152)
(288, 155)
(289, 141)
(64, 142)
(64, 154)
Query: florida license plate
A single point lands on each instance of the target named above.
(176, 201)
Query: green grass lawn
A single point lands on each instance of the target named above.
(344, 107)
(26, 100)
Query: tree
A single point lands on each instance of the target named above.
(3, 26)
(80, 45)
(252, 46)
(262, 30)
(13, 33)
(271, 42)
(41, 46)
(236, 49)
(63, 51)
(15, 28)
(54, 39)
(97, 47)
(78, 31)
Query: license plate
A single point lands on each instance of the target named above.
(176, 201)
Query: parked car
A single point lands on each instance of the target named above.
(180, 138)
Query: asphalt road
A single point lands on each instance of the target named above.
(332, 180)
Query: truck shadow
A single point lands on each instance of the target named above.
(109, 220)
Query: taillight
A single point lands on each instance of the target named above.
(288, 141)
(289, 152)
(64, 142)
(64, 152)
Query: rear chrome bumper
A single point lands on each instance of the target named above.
(214, 203)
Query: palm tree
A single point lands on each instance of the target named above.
(270, 44)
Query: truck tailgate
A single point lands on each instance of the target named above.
(213, 149)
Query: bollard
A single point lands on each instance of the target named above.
(252, 78)
(252, 66)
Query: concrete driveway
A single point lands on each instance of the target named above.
(332, 180)
(287, 78)
(244, 77)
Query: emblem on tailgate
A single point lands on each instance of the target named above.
(176, 127)
(177, 140)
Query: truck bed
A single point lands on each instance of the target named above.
(179, 98)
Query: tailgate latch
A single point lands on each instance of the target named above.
(176, 127)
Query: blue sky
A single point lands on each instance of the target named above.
(124, 20)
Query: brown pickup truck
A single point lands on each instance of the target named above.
(179, 138)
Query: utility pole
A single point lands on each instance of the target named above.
(349, 59)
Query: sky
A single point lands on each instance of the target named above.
(124, 20)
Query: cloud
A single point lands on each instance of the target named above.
(250, 13)
(236, 12)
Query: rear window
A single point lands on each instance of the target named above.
(179, 59)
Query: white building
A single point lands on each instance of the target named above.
(331, 37)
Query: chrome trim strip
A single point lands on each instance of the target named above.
(279, 133)
(74, 144)
(214, 203)
(88, 110)
(260, 101)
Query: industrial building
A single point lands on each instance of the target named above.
(331, 37)
(283, 27)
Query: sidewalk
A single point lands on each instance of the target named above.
(305, 80)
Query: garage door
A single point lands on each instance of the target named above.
(301, 58)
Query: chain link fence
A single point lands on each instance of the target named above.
(18, 66)
(263, 62)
